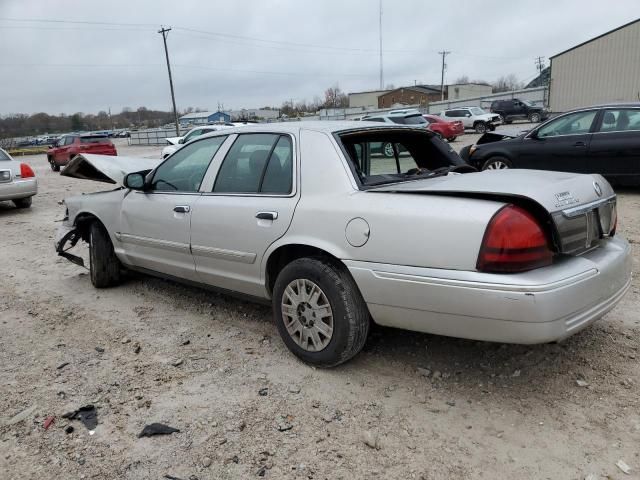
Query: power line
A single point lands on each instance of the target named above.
(164, 32)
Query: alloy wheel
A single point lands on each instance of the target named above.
(497, 165)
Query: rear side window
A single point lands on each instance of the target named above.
(95, 139)
(257, 163)
(620, 120)
(3, 156)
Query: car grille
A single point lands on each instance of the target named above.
(5, 176)
(582, 228)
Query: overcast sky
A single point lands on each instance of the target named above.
(252, 53)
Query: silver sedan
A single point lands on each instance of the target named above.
(17, 181)
(314, 218)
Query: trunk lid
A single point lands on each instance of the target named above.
(581, 207)
(106, 168)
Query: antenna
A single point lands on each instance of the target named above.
(380, 31)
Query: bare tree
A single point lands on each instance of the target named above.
(335, 98)
(506, 83)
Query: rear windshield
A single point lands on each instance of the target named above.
(3, 156)
(378, 157)
(477, 111)
(409, 120)
(95, 139)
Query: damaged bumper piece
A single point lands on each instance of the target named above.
(68, 235)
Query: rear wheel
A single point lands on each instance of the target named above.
(387, 150)
(23, 202)
(451, 139)
(104, 266)
(320, 312)
(497, 163)
(480, 127)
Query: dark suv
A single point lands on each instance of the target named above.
(515, 108)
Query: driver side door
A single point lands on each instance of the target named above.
(156, 222)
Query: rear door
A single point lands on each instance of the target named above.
(614, 150)
(249, 202)
(155, 224)
(561, 144)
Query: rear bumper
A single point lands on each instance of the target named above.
(539, 306)
(18, 189)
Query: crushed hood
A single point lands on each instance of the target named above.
(174, 140)
(106, 168)
(555, 191)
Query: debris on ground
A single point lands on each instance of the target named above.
(582, 383)
(88, 415)
(99, 349)
(23, 415)
(157, 429)
(136, 348)
(48, 421)
(626, 469)
(283, 423)
(294, 389)
(178, 362)
(263, 392)
(69, 429)
(62, 365)
(370, 439)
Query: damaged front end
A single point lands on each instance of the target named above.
(68, 235)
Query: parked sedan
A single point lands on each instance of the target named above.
(174, 143)
(603, 139)
(17, 181)
(305, 217)
(445, 129)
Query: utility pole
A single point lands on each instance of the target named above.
(444, 53)
(165, 33)
(380, 31)
(540, 64)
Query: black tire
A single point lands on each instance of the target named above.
(497, 163)
(54, 166)
(480, 127)
(104, 266)
(509, 122)
(387, 150)
(534, 117)
(451, 139)
(350, 313)
(23, 202)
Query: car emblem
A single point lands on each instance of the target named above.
(597, 188)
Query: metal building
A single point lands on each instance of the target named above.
(601, 70)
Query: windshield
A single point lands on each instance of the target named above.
(95, 139)
(527, 103)
(477, 111)
(389, 156)
(414, 120)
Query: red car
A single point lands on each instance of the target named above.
(444, 128)
(68, 146)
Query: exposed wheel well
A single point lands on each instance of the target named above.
(286, 254)
(83, 221)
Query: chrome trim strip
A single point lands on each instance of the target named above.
(152, 242)
(582, 209)
(223, 254)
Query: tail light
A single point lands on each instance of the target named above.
(514, 242)
(26, 171)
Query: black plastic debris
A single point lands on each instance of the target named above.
(69, 429)
(62, 365)
(157, 429)
(88, 415)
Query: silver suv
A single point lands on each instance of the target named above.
(407, 116)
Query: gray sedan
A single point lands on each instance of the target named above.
(313, 218)
(17, 181)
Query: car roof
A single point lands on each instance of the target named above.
(326, 126)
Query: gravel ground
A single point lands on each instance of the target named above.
(409, 406)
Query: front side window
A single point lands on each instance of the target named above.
(185, 169)
(572, 124)
(68, 140)
(257, 163)
(620, 120)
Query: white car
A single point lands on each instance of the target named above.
(472, 117)
(17, 181)
(174, 143)
(335, 235)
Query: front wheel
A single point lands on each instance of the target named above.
(480, 127)
(104, 266)
(54, 166)
(387, 150)
(319, 311)
(497, 163)
(534, 117)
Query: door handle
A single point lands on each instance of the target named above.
(579, 144)
(182, 208)
(267, 215)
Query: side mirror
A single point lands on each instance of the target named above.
(467, 114)
(134, 181)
